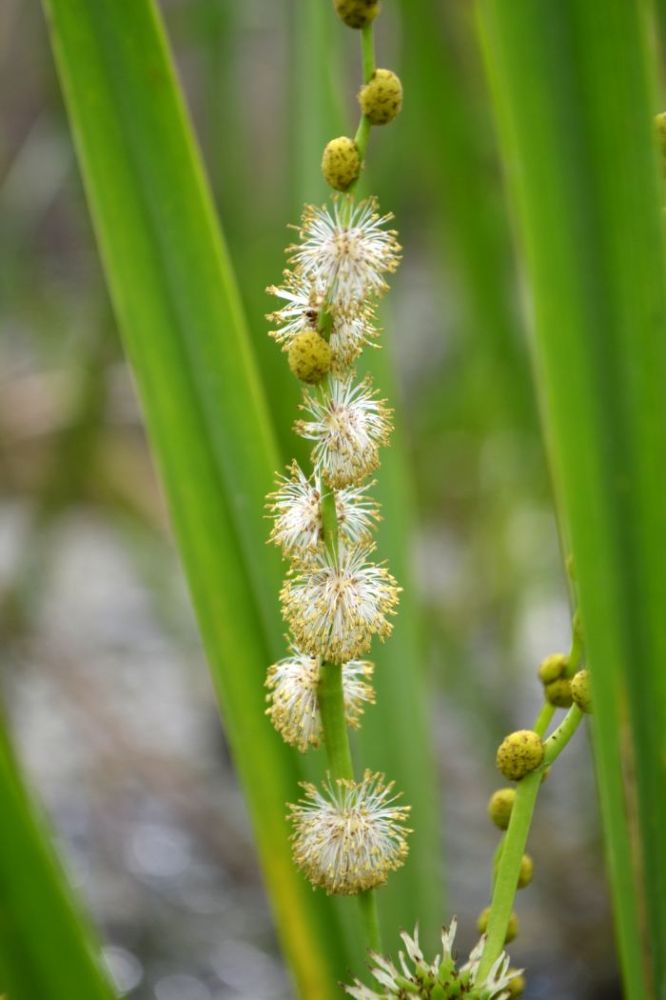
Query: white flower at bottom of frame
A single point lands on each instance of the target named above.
(346, 251)
(350, 835)
(350, 331)
(294, 709)
(335, 606)
(442, 973)
(296, 508)
(348, 426)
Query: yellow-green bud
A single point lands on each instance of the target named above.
(341, 163)
(558, 693)
(526, 871)
(512, 928)
(553, 667)
(500, 806)
(357, 13)
(309, 357)
(660, 122)
(516, 986)
(519, 753)
(381, 97)
(580, 691)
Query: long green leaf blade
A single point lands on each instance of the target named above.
(45, 949)
(574, 98)
(178, 309)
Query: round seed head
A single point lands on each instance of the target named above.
(381, 97)
(516, 986)
(341, 163)
(309, 357)
(580, 691)
(357, 13)
(512, 928)
(500, 806)
(526, 871)
(558, 693)
(553, 667)
(519, 753)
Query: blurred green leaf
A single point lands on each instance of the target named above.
(45, 949)
(179, 313)
(574, 96)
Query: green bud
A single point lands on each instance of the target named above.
(553, 667)
(519, 753)
(341, 163)
(526, 871)
(512, 928)
(500, 806)
(580, 691)
(357, 13)
(381, 97)
(309, 357)
(558, 693)
(516, 986)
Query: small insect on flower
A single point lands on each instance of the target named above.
(349, 836)
(348, 427)
(296, 507)
(349, 332)
(294, 709)
(440, 978)
(346, 251)
(334, 607)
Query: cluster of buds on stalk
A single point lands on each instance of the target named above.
(347, 834)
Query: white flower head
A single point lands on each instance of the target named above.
(348, 426)
(294, 708)
(296, 508)
(418, 978)
(335, 606)
(303, 300)
(350, 835)
(346, 251)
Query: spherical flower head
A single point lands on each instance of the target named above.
(341, 163)
(553, 667)
(335, 606)
(512, 928)
(415, 977)
(581, 691)
(519, 753)
(293, 701)
(357, 13)
(526, 871)
(346, 251)
(350, 835)
(350, 332)
(309, 357)
(348, 426)
(500, 806)
(381, 97)
(296, 508)
(558, 693)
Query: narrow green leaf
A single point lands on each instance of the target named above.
(575, 103)
(45, 949)
(177, 305)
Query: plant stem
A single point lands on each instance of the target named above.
(368, 59)
(513, 846)
(368, 904)
(332, 710)
(543, 718)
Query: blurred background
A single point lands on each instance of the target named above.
(103, 677)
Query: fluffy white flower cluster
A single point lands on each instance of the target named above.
(440, 978)
(335, 598)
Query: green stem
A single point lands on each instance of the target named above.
(332, 710)
(513, 846)
(368, 58)
(543, 718)
(557, 741)
(367, 902)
